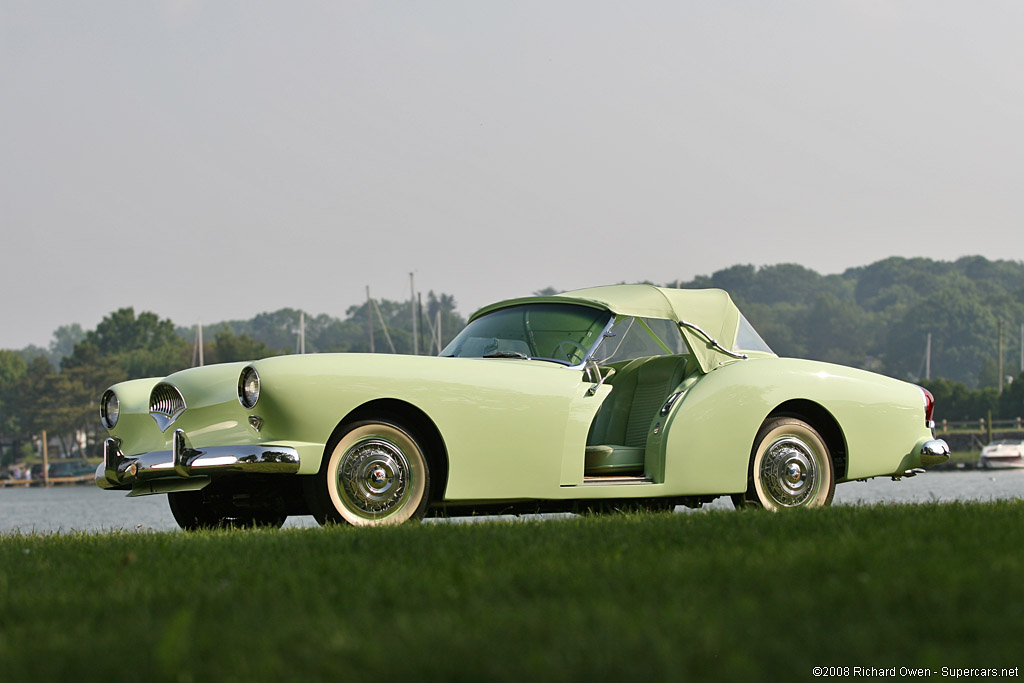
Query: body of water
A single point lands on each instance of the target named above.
(69, 509)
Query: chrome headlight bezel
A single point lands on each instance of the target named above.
(110, 409)
(249, 387)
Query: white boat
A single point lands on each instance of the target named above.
(1002, 454)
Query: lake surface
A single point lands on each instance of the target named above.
(69, 509)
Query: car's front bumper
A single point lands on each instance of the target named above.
(187, 468)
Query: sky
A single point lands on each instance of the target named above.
(214, 160)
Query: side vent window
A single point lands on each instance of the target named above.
(747, 338)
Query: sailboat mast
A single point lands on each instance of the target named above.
(412, 305)
(928, 358)
(197, 348)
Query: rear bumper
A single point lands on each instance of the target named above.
(934, 452)
(184, 467)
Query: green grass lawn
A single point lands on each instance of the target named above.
(718, 595)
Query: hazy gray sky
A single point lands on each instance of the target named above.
(218, 159)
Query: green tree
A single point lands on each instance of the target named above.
(64, 339)
(963, 330)
(791, 283)
(330, 335)
(955, 401)
(123, 331)
(228, 347)
(396, 317)
(918, 275)
(69, 405)
(61, 402)
(12, 369)
(783, 326)
(839, 331)
(278, 329)
(740, 281)
(1007, 276)
(440, 310)
(31, 391)
(144, 346)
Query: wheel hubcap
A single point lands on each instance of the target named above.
(373, 477)
(789, 472)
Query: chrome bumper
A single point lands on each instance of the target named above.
(185, 468)
(934, 452)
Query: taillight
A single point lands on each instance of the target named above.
(929, 408)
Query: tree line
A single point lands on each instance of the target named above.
(877, 317)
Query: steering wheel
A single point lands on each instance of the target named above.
(560, 350)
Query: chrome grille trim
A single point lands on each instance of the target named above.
(165, 405)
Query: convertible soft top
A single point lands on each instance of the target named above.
(711, 310)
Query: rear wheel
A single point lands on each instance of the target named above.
(790, 467)
(193, 511)
(376, 474)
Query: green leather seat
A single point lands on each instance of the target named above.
(618, 437)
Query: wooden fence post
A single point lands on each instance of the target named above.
(46, 461)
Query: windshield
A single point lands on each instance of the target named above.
(563, 333)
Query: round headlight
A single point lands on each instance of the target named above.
(248, 387)
(110, 408)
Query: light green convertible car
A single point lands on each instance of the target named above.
(601, 398)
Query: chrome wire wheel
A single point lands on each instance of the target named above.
(376, 474)
(790, 468)
(788, 472)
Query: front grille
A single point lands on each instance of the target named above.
(165, 405)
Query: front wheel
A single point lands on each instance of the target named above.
(790, 467)
(376, 474)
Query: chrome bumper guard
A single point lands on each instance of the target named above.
(934, 452)
(184, 467)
